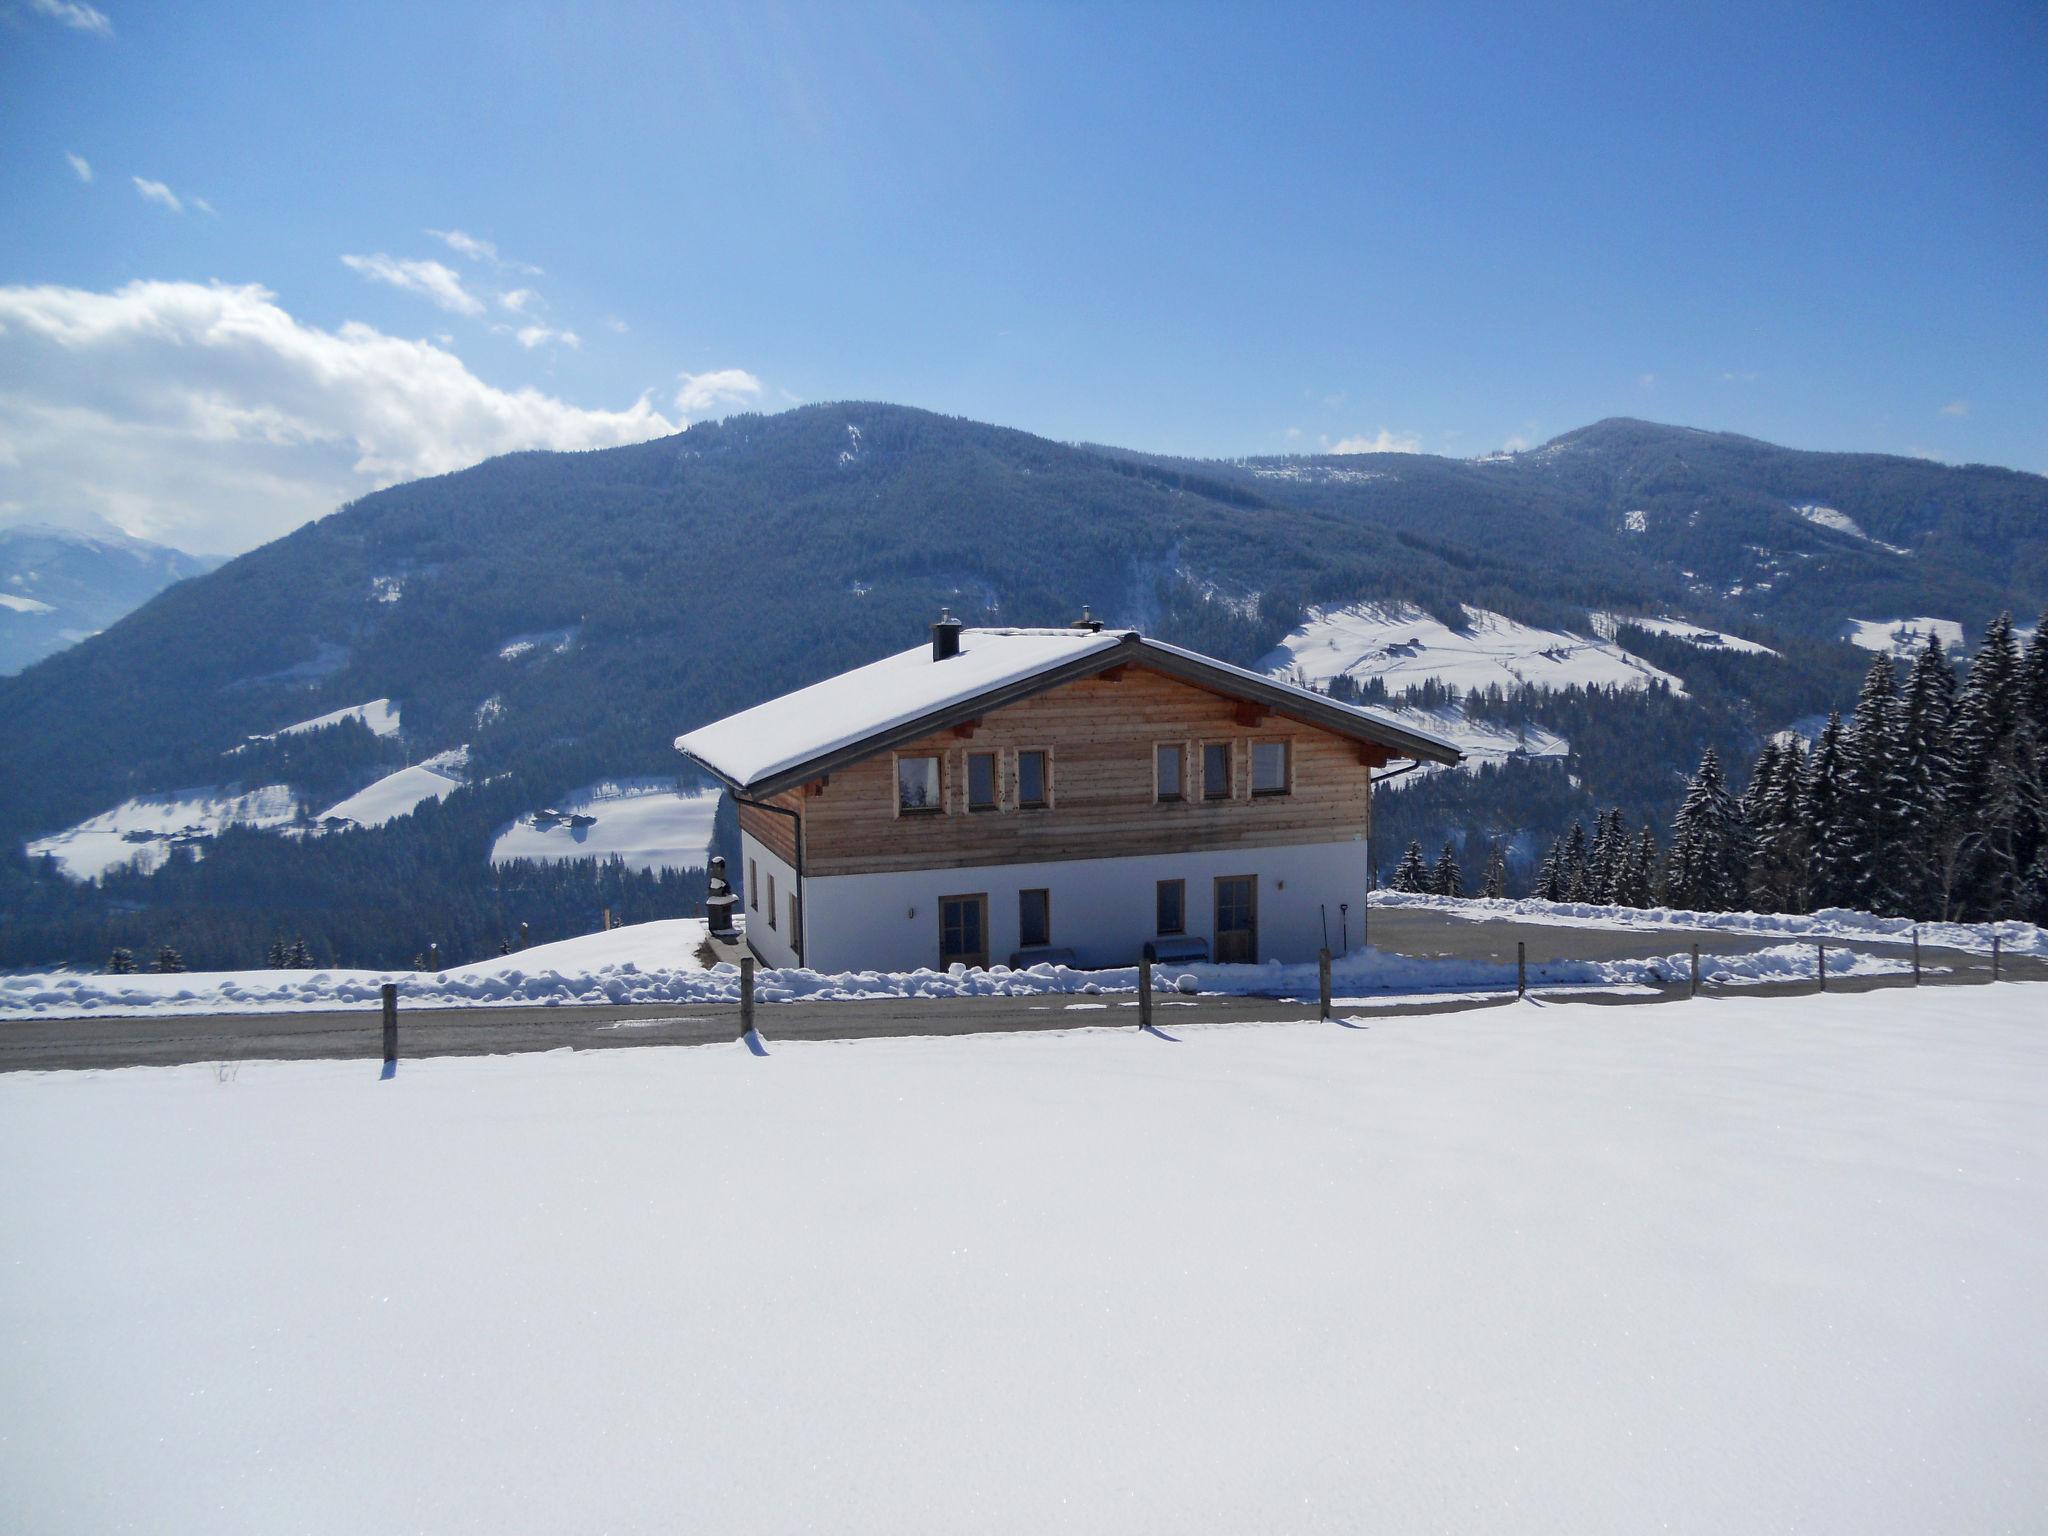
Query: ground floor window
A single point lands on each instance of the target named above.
(1034, 919)
(1173, 907)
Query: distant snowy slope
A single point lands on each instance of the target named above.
(1604, 625)
(651, 827)
(395, 795)
(1404, 647)
(142, 831)
(1842, 522)
(1482, 741)
(1903, 637)
(59, 586)
(380, 715)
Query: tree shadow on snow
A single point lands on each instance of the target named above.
(1154, 1029)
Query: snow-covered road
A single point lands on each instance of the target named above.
(1737, 1265)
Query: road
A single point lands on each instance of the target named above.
(55, 1044)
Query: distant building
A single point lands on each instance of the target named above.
(1010, 793)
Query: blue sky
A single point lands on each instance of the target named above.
(1203, 230)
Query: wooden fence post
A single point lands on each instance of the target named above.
(1521, 968)
(1144, 993)
(1821, 950)
(390, 1024)
(1695, 970)
(746, 995)
(1323, 978)
(1916, 954)
(1994, 957)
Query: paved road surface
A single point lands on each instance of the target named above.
(46, 1044)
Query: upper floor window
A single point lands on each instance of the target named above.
(1216, 770)
(1167, 762)
(981, 781)
(1034, 777)
(917, 784)
(1269, 768)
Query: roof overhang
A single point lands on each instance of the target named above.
(1133, 650)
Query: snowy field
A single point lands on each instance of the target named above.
(1731, 1266)
(142, 831)
(651, 826)
(1904, 638)
(1405, 647)
(395, 795)
(656, 963)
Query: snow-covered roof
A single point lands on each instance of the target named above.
(909, 693)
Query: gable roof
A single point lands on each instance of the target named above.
(786, 740)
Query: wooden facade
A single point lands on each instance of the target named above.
(1100, 736)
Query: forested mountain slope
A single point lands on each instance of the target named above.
(565, 615)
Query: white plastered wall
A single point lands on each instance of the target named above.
(1102, 909)
(772, 943)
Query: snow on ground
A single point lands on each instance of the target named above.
(1830, 923)
(1482, 741)
(142, 831)
(1604, 624)
(1904, 638)
(380, 715)
(656, 963)
(549, 642)
(395, 795)
(1842, 522)
(1738, 1265)
(648, 823)
(1405, 647)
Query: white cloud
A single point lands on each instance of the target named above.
(1646, 380)
(427, 279)
(1292, 434)
(480, 250)
(532, 336)
(614, 324)
(1956, 408)
(1517, 443)
(208, 416)
(1737, 376)
(520, 300)
(203, 206)
(157, 192)
(1383, 442)
(80, 165)
(85, 18)
(701, 394)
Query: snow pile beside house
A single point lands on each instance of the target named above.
(655, 963)
(1746, 1266)
(1830, 923)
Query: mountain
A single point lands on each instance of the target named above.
(565, 615)
(57, 587)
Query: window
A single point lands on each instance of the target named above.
(1173, 907)
(917, 784)
(1034, 919)
(771, 901)
(1216, 770)
(753, 885)
(981, 781)
(1166, 772)
(1031, 780)
(1269, 767)
(794, 936)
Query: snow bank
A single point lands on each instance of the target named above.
(656, 963)
(2015, 938)
(1404, 646)
(1754, 1265)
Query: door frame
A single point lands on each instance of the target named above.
(980, 897)
(1215, 914)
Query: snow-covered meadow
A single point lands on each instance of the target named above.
(1737, 1265)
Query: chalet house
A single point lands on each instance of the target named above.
(1011, 793)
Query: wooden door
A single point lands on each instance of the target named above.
(963, 930)
(1237, 920)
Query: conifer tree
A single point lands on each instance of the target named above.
(1638, 884)
(1575, 865)
(1776, 877)
(1988, 787)
(300, 959)
(1447, 879)
(1550, 876)
(121, 962)
(169, 962)
(278, 955)
(1411, 874)
(1610, 854)
(2034, 678)
(1703, 871)
(1820, 816)
(1928, 831)
(1866, 877)
(1495, 886)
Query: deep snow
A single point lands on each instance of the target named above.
(1730, 1266)
(656, 963)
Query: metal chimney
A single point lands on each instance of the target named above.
(945, 636)
(1087, 621)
